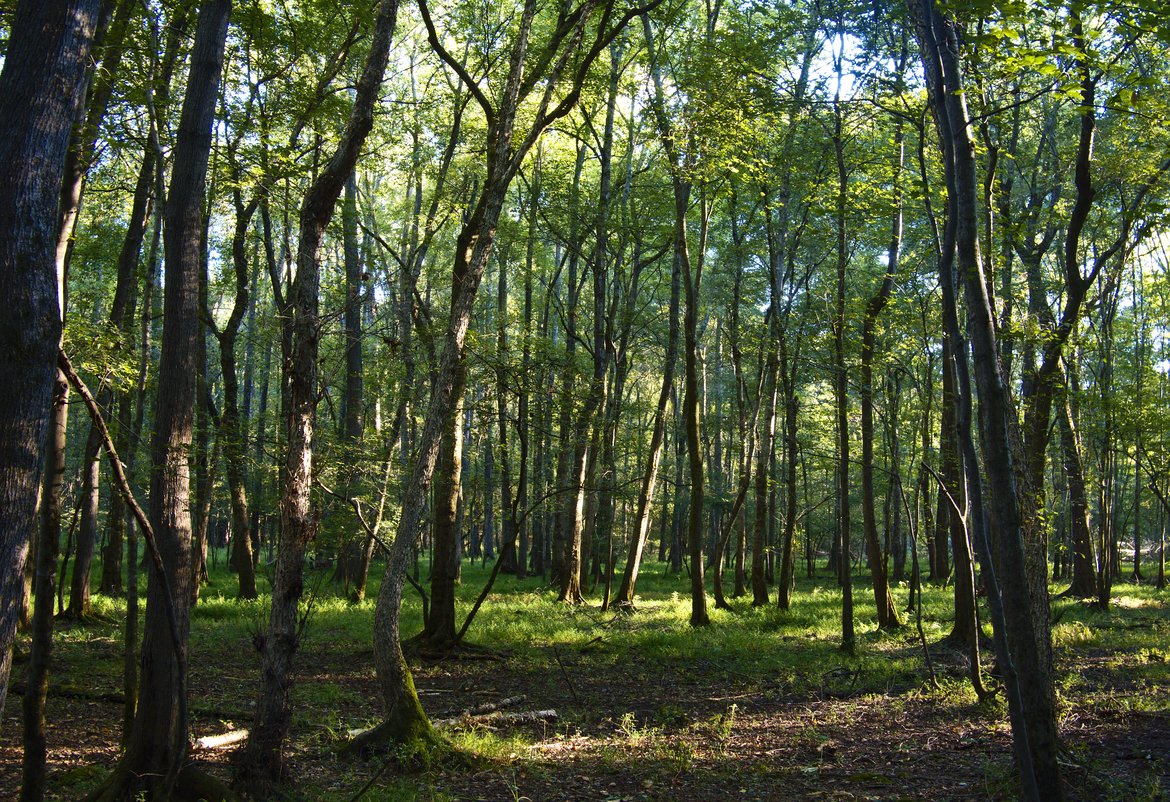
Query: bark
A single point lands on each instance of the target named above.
(1084, 560)
(36, 691)
(262, 762)
(157, 747)
(439, 631)
(404, 719)
(40, 90)
(1023, 651)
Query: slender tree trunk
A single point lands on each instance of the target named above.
(841, 386)
(887, 611)
(261, 762)
(625, 594)
(1084, 561)
(111, 582)
(233, 424)
(574, 424)
(353, 413)
(36, 691)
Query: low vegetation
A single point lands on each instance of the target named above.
(761, 704)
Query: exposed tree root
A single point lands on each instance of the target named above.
(408, 740)
(192, 784)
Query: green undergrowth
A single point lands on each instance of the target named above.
(1108, 663)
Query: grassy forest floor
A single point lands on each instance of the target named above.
(761, 705)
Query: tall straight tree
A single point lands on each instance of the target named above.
(157, 748)
(681, 161)
(840, 376)
(1021, 649)
(887, 611)
(40, 89)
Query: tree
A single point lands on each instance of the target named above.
(156, 752)
(1022, 651)
(567, 54)
(40, 89)
(261, 764)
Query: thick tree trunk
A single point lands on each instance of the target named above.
(158, 739)
(40, 90)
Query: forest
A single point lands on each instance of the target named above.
(584, 399)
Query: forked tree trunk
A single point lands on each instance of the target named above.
(404, 719)
(1022, 649)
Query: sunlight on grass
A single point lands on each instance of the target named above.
(1108, 663)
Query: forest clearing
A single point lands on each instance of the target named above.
(761, 705)
(557, 399)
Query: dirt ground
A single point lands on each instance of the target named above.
(634, 729)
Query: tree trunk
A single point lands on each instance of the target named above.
(40, 90)
(36, 688)
(140, 212)
(625, 594)
(1023, 650)
(439, 630)
(158, 739)
(841, 389)
(261, 763)
(233, 424)
(1084, 561)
